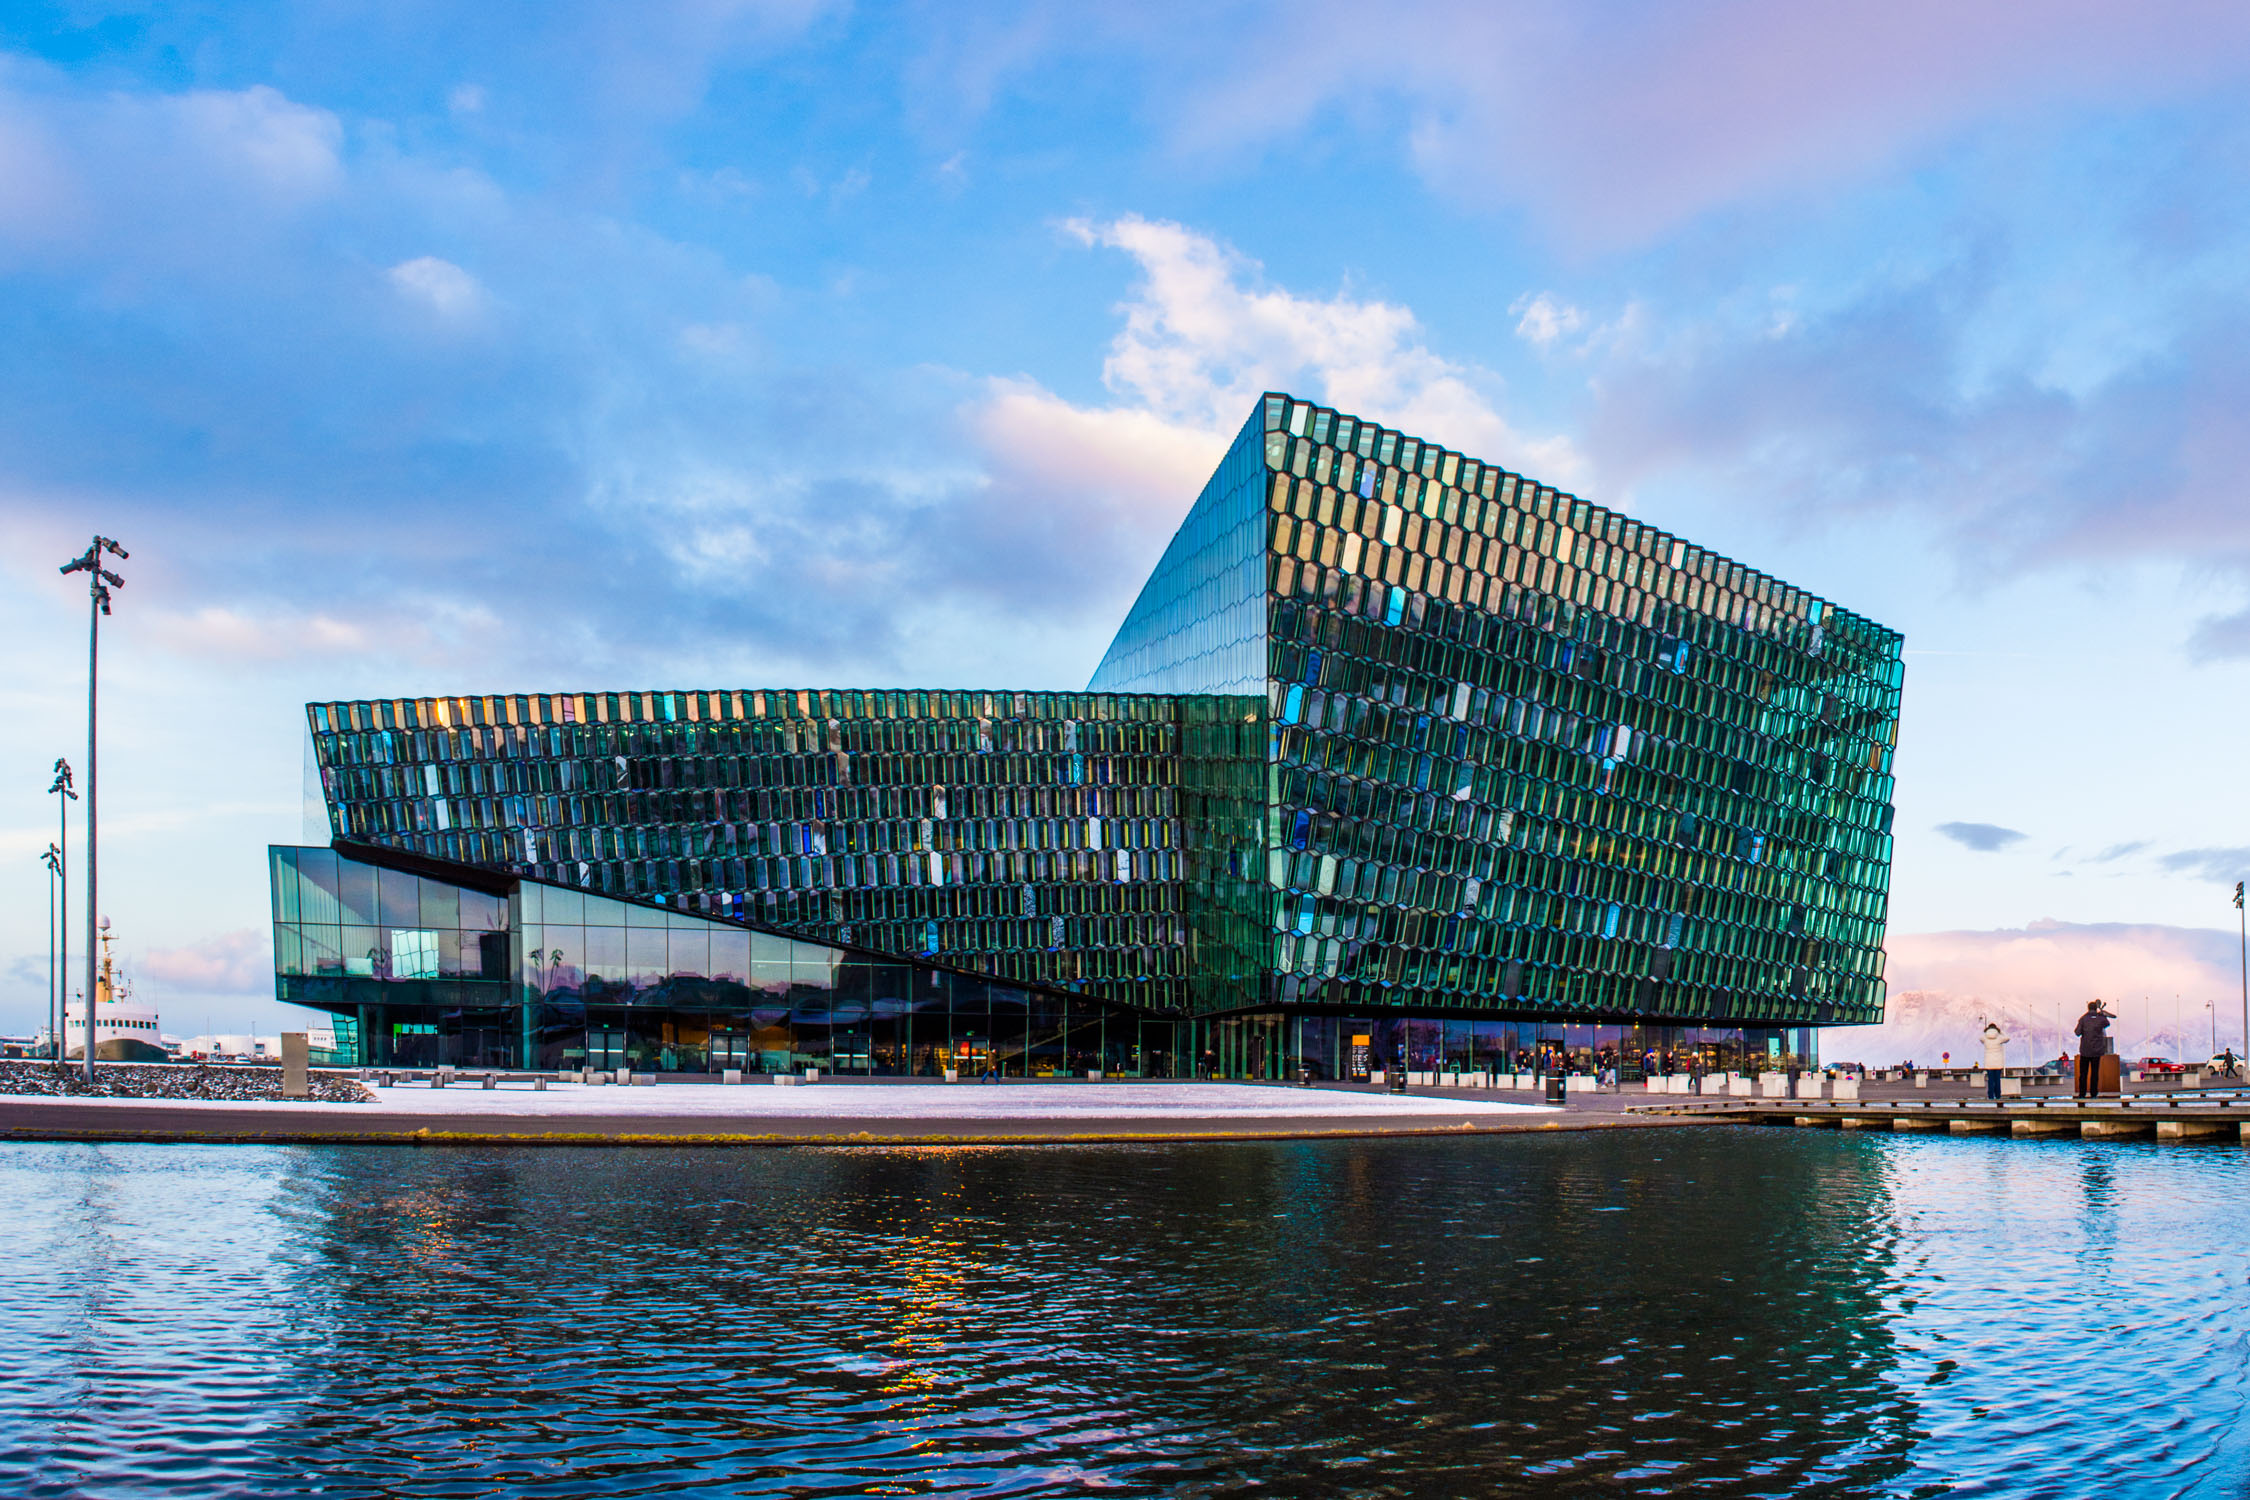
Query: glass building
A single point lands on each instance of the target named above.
(1397, 756)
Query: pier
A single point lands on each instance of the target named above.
(2156, 1112)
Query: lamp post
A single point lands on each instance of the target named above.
(99, 581)
(2243, 920)
(64, 795)
(52, 859)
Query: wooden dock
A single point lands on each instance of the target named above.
(2173, 1116)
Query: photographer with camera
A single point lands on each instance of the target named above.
(2093, 1045)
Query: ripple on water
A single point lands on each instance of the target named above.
(1732, 1311)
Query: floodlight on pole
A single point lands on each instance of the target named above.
(64, 795)
(99, 581)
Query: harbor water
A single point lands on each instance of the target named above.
(1727, 1310)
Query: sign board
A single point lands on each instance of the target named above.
(1362, 1059)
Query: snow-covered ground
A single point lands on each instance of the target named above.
(906, 1102)
(939, 1101)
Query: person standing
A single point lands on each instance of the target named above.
(2093, 1045)
(1995, 1059)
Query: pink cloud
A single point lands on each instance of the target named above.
(2035, 981)
(1614, 121)
(231, 963)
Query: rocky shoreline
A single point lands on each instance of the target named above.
(170, 1081)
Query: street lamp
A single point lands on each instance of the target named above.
(99, 581)
(64, 796)
(2243, 919)
(52, 859)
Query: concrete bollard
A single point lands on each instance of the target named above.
(491, 1081)
(296, 1079)
(437, 1079)
(539, 1084)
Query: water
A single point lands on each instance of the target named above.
(1735, 1311)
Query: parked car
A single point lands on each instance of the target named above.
(2156, 1065)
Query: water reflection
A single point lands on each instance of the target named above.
(1748, 1312)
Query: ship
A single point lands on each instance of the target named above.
(125, 1029)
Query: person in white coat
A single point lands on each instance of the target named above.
(1995, 1058)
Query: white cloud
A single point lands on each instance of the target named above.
(1544, 319)
(287, 147)
(439, 285)
(1204, 335)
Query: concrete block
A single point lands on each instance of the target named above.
(645, 1078)
(1679, 1083)
(1773, 1085)
(1921, 1080)
(786, 1080)
(623, 1075)
(952, 1075)
(539, 1084)
(491, 1080)
(2011, 1088)
(1093, 1075)
(1977, 1125)
(1847, 1088)
(2191, 1129)
(1652, 1085)
(812, 1075)
(1916, 1122)
(2109, 1129)
(730, 1075)
(1807, 1087)
(2039, 1126)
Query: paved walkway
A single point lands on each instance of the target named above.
(822, 1113)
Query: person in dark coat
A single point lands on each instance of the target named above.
(2093, 1045)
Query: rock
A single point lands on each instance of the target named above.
(171, 1081)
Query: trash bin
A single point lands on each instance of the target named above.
(1558, 1088)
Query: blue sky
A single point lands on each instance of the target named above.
(420, 348)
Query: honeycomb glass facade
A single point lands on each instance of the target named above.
(1394, 745)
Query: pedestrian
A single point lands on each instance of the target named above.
(1995, 1059)
(2093, 1045)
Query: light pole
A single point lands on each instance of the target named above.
(64, 796)
(2243, 919)
(99, 580)
(52, 859)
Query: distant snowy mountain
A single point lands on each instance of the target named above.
(2167, 985)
